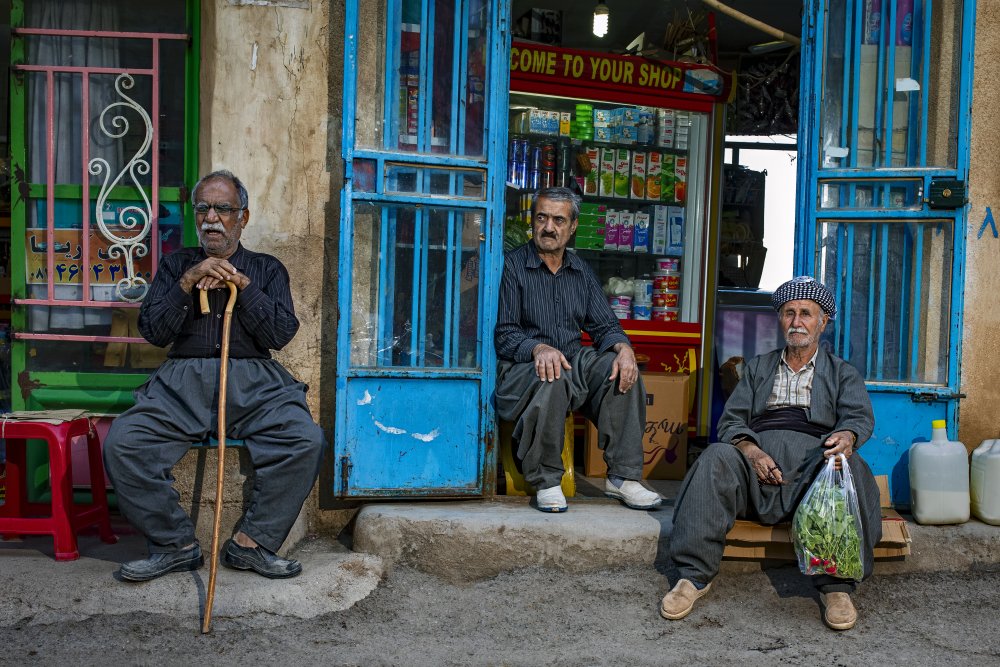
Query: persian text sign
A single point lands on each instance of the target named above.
(104, 269)
(537, 68)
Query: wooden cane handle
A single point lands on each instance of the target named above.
(203, 299)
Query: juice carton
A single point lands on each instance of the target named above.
(675, 231)
(564, 123)
(623, 162)
(592, 176)
(640, 235)
(658, 240)
(654, 165)
(626, 230)
(611, 228)
(639, 175)
(607, 178)
(667, 178)
(680, 179)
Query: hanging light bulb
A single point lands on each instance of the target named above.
(601, 16)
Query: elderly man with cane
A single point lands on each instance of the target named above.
(177, 407)
(793, 408)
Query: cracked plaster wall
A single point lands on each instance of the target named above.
(980, 344)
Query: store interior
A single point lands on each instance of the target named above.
(687, 233)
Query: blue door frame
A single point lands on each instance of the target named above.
(869, 163)
(420, 247)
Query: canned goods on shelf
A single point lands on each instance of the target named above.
(641, 311)
(668, 264)
(666, 280)
(665, 314)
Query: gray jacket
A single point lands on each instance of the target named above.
(839, 398)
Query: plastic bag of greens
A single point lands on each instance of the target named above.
(826, 528)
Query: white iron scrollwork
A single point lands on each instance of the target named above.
(132, 287)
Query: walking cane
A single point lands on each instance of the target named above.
(221, 428)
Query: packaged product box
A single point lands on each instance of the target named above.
(667, 178)
(623, 163)
(587, 222)
(626, 230)
(612, 226)
(603, 134)
(607, 177)
(630, 116)
(628, 134)
(654, 165)
(641, 233)
(538, 121)
(602, 116)
(565, 118)
(664, 443)
(592, 208)
(658, 236)
(639, 175)
(675, 231)
(680, 179)
(591, 177)
(589, 242)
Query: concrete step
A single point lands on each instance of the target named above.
(470, 540)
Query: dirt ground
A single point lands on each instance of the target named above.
(542, 617)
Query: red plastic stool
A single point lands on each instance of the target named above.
(66, 518)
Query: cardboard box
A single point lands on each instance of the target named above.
(752, 540)
(664, 443)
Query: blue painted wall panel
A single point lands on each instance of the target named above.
(413, 434)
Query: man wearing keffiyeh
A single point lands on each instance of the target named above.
(792, 409)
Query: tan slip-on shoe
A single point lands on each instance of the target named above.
(679, 602)
(838, 611)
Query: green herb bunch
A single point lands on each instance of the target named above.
(826, 528)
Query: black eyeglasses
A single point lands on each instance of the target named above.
(223, 210)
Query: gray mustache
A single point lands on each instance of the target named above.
(213, 227)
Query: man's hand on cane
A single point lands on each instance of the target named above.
(212, 273)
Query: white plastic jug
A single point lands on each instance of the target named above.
(939, 479)
(985, 482)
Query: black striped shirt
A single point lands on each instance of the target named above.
(263, 319)
(538, 306)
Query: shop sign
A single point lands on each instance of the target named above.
(537, 68)
(104, 268)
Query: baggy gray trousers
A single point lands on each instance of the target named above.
(266, 407)
(722, 487)
(538, 410)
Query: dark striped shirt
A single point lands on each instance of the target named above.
(263, 318)
(538, 306)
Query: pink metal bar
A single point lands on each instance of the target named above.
(100, 33)
(50, 179)
(85, 175)
(64, 302)
(154, 218)
(79, 339)
(78, 70)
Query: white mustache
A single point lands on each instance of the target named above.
(213, 227)
(799, 330)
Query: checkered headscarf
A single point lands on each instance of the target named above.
(805, 287)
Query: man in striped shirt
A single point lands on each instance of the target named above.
(792, 409)
(547, 295)
(177, 407)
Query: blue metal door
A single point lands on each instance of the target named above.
(425, 95)
(884, 136)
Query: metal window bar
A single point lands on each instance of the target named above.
(153, 119)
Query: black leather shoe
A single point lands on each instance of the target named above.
(260, 560)
(162, 563)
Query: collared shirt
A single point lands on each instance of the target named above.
(263, 318)
(791, 388)
(538, 306)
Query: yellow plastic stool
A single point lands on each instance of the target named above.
(516, 486)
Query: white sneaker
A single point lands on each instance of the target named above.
(633, 494)
(551, 499)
